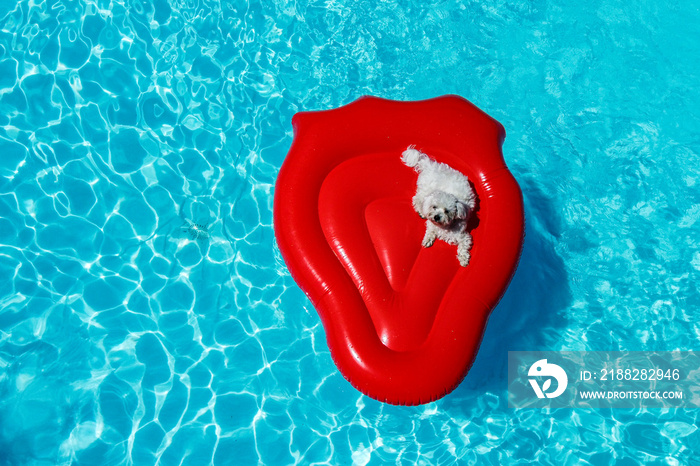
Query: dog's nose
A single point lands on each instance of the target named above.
(438, 218)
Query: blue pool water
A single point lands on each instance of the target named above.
(125, 341)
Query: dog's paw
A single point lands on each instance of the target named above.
(463, 252)
(463, 248)
(428, 239)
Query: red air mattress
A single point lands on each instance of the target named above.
(403, 322)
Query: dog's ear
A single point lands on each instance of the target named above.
(462, 210)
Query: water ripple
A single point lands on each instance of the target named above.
(125, 340)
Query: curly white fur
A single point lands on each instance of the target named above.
(444, 199)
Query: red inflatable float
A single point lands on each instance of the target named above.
(403, 322)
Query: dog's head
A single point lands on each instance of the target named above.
(443, 209)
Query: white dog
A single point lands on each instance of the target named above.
(445, 199)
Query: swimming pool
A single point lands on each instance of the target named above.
(123, 340)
